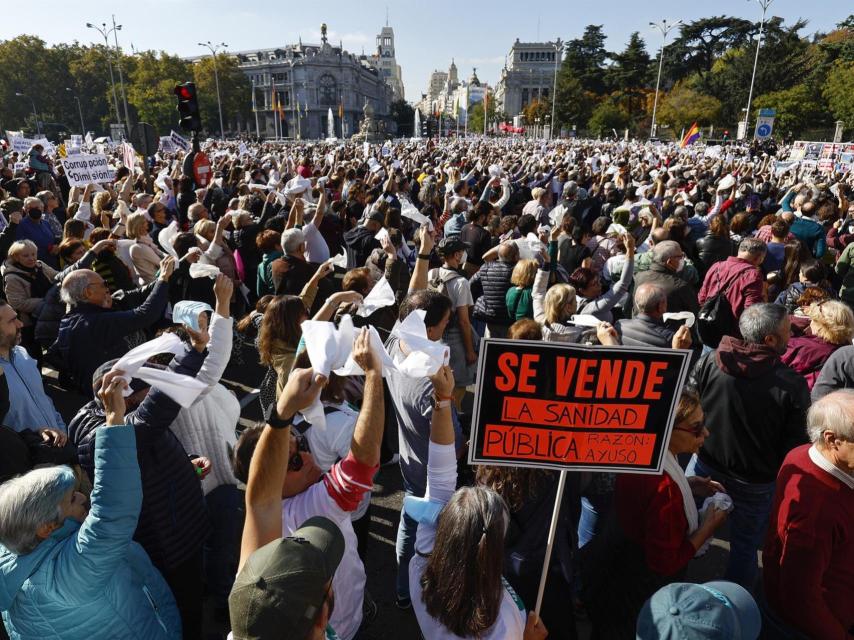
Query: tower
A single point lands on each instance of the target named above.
(386, 62)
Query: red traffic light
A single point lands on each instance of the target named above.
(184, 92)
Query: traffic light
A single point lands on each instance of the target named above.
(188, 107)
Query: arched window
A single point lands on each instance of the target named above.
(327, 90)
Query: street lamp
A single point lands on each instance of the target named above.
(79, 110)
(104, 32)
(116, 29)
(35, 114)
(213, 49)
(665, 29)
(557, 44)
(764, 4)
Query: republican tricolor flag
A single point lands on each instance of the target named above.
(691, 136)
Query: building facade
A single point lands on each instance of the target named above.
(304, 81)
(384, 60)
(528, 75)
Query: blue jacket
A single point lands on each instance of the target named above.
(811, 233)
(89, 335)
(29, 405)
(89, 580)
(38, 231)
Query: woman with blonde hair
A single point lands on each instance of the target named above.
(831, 326)
(520, 297)
(26, 280)
(144, 253)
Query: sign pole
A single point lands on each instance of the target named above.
(561, 483)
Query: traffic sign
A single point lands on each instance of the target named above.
(201, 169)
(144, 139)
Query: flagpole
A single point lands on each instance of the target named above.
(485, 106)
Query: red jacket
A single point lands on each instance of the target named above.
(651, 513)
(807, 354)
(747, 287)
(808, 560)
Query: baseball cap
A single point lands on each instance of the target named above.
(712, 611)
(282, 586)
(377, 216)
(447, 246)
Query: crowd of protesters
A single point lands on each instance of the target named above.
(130, 516)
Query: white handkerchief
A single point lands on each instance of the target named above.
(328, 346)
(687, 316)
(340, 260)
(425, 356)
(167, 236)
(182, 389)
(382, 233)
(382, 295)
(199, 270)
(585, 320)
(409, 210)
(351, 368)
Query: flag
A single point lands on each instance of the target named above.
(341, 110)
(128, 156)
(273, 102)
(456, 106)
(691, 136)
(281, 110)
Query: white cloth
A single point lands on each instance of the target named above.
(687, 316)
(382, 295)
(182, 389)
(672, 468)
(425, 357)
(201, 270)
(826, 465)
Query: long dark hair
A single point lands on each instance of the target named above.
(281, 321)
(461, 585)
(516, 485)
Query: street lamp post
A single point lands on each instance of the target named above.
(558, 44)
(764, 4)
(35, 113)
(106, 34)
(665, 28)
(214, 48)
(79, 111)
(116, 29)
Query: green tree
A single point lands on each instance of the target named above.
(798, 108)
(838, 93)
(629, 75)
(235, 91)
(586, 56)
(151, 88)
(701, 42)
(572, 104)
(607, 116)
(404, 116)
(683, 106)
(475, 116)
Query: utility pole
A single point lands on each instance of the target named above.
(764, 4)
(665, 28)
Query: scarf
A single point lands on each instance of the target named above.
(672, 468)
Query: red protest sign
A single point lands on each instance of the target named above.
(562, 406)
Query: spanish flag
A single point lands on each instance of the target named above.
(273, 105)
(691, 136)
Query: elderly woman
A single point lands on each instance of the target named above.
(588, 286)
(144, 253)
(653, 533)
(519, 297)
(209, 235)
(75, 572)
(831, 326)
(26, 280)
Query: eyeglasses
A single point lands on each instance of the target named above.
(295, 461)
(695, 430)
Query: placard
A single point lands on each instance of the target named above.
(565, 406)
(83, 169)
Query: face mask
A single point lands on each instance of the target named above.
(464, 258)
(35, 214)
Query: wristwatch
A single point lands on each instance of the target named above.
(271, 417)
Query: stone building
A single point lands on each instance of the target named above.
(306, 81)
(528, 75)
(384, 60)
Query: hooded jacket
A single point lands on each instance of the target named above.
(90, 581)
(359, 242)
(755, 408)
(807, 354)
(744, 281)
(25, 290)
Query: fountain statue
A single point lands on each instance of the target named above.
(416, 134)
(370, 130)
(330, 126)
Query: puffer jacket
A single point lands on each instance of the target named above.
(495, 280)
(90, 581)
(173, 522)
(712, 248)
(19, 286)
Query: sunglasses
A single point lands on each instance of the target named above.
(295, 461)
(695, 429)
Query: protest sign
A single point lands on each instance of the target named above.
(21, 144)
(180, 141)
(563, 406)
(83, 169)
(166, 144)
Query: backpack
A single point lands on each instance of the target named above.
(436, 281)
(716, 318)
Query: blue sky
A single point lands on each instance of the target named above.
(428, 34)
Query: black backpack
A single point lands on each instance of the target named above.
(716, 318)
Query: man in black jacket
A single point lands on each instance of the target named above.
(173, 522)
(755, 409)
(647, 328)
(360, 241)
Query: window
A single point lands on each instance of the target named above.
(327, 90)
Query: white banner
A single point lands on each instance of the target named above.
(181, 142)
(84, 169)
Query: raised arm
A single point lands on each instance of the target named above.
(270, 463)
(367, 436)
(221, 334)
(418, 280)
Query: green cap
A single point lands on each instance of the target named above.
(282, 586)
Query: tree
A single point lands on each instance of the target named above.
(701, 42)
(572, 104)
(404, 116)
(607, 116)
(629, 75)
(683, 106)
(151, 88)
(838, 93)
(475, 116)
(234, 87)
(537, 109)
(586, 56)
(797, 108)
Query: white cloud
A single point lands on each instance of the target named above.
(352, 40)
(480, 61)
